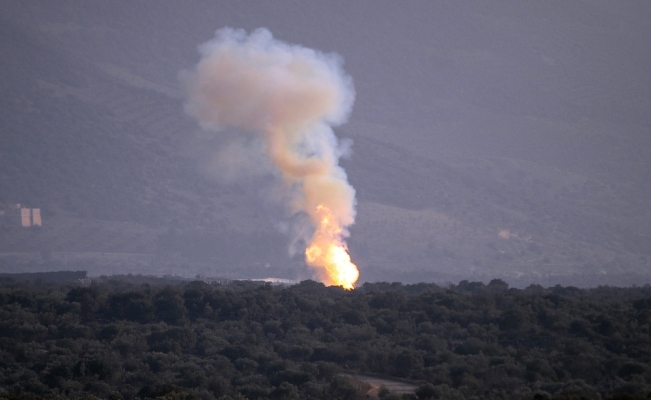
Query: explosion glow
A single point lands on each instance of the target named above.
(328, 252)
(290, 96)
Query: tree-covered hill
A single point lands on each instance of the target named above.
(125, 338)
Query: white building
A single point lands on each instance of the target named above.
(22, 216)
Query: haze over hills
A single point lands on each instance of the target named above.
(490, 140)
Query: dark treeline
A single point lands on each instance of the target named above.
(120, 339)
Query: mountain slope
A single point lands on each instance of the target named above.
(460, 171)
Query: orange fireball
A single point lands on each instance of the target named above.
(328, 252)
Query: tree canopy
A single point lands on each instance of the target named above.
(116, 339)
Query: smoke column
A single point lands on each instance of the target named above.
(291, 96)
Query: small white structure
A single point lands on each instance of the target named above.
(23, 216)
(26, 217)
(36, 217)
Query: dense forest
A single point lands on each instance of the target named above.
(133, 337)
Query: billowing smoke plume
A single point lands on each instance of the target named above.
(291, 96)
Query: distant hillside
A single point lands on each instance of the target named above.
(464, 166)
(490, 216)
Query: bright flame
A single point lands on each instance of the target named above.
(328, 252)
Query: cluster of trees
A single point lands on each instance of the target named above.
(116, 339)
